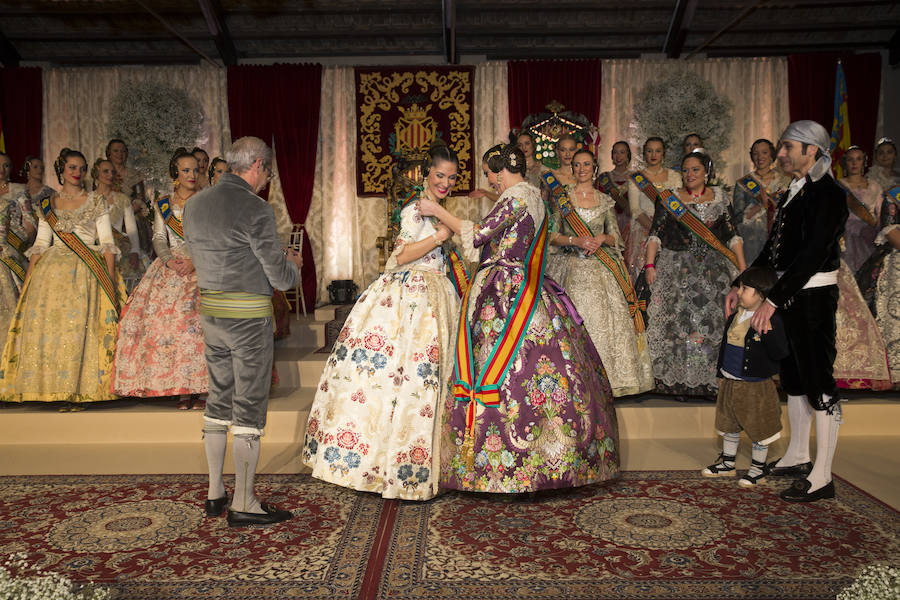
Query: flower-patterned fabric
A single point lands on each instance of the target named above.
(555, 426)
(373, 424)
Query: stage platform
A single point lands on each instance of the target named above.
(145, 436)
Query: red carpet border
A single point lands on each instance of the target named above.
(659, 535)
(649, 535)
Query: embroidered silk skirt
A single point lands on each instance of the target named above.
(62, 337)
(374, 425)
(161, 350)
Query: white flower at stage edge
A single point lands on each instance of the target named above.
(154, 120)
(34, 584)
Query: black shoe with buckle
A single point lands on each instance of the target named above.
(798, 492)
(214, 508)
(271, 516)
(801, 470)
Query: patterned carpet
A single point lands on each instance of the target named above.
(655, 535)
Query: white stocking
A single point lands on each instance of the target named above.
(800, 415)
(826, 441)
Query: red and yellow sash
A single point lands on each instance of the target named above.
(484, 387)
(609, 260)
(165, 210)
(752, 187)
(695, 225)
(90, 258)
(17, 244)
(644, 184)
(857, 207)
(608, 187)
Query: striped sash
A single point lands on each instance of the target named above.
(456, 266)
(608, 187)
(644, 184)
(752, 187)
(609, 260)
(165, 210)
(483, 387)
(857, 207)
(18, 245)
(90, 258)
(695, 225)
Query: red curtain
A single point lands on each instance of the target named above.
(811, 91)
(281, 102)
(21, 109)
(533, 84)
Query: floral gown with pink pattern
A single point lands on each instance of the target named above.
(555, 426)
(374, 422)
(160, 350)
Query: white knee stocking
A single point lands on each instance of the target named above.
(826, 441)
(800, 415)
(215, 438)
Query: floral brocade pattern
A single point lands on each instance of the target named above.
(161, 349)
(861, 361)
(555, 426)
(374, 422)
(601, 303)
(62, 337)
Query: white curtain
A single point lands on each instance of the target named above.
(757, 87)
(77, 103)
(341, 226)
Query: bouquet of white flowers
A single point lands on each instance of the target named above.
(875, 582)
(31, 583)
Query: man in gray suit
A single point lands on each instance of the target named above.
(230, 233)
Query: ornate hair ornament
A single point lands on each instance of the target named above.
(512, 159)
(493, 153)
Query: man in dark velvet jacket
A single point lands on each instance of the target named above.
(804, 249)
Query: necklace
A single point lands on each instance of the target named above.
(64, 195)
(696, 197)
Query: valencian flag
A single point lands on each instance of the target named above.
(2, 141)
(840, 127)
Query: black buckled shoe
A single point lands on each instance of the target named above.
(215, 508)
(798, 492)
(801, 470)
(271, 516)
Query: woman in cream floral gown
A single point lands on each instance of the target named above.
(592, 286)
(62, 337)
(132, 261)
(375, 420)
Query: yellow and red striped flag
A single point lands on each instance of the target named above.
(840, 127)
(2, 140)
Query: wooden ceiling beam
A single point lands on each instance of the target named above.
(9, 56)
(682, 17)
(218, 28)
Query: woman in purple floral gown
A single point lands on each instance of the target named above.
(549, 422)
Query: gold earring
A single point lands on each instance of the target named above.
(176, 184)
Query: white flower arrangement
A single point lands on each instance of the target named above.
(874, 582)
(154, 120)
(682, 103)
(33, 584)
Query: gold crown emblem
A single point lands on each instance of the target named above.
(414, 112)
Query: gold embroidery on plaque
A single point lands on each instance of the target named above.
(380, 92)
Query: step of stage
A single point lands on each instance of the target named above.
(130, 436)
